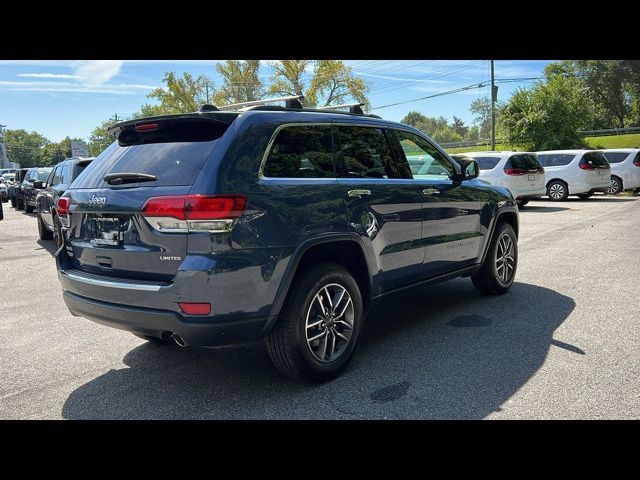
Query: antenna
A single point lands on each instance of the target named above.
(291, 102)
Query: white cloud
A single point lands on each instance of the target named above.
(46, 75)
(110, 88)
(96, 72)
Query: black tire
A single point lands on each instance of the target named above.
(557, 191)
(13, 202)
(20, 204)
(488, 280)
(287, 342)
(615, 187)
(585, 196)
(28, 208)
(522, 203)
(57, 231)
(43, 232)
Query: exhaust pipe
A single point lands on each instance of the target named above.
(178, 340)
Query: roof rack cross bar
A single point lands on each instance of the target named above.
(291, 101)
(353, 107)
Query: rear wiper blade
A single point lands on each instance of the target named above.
(128, 177)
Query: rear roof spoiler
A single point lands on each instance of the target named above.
(221, 118)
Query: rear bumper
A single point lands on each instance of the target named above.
(158, 323)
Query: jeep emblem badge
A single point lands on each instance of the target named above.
(97, 201)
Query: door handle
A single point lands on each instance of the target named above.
(358, 193)
(430, 191)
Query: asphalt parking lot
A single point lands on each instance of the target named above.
(563, 343)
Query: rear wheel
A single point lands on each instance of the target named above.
(20, 204)
(317, 332)
(43, 232)
(499, 268)
(28, 208)
(615, 187)
(557, 191)
(13, 202)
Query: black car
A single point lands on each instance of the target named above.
(279, 223)
(30, 190)
(56, 184)
(15, 190)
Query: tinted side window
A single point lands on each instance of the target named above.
(616, 157)
(555, 159)
(425, 160)
(58, 176)
(301, 152)
(366, 153)
(485, 163)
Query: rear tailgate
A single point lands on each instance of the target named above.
(596, 169)
(107, 233)
(525, 172)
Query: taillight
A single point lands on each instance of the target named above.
(636, 162)
(194, 213)
(146, 127)
(62, 206)
(514, 171)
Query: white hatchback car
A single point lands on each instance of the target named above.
(520, 172)
(575, 172)
(625, 168)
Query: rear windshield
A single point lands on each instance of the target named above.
(523, 162)
(39, 174)
(78, 168)
(175, 163)
(616, 157)
(487, 163)
(594, 158)
(555, 159)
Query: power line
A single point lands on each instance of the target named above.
(448, 92)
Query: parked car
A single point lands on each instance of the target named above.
(15, 189)
(575, 172)
(56, 184)
(4, 190)
(520, 172)
(625, 168)
(29, 190)
(278, 223)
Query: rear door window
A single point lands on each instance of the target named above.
(555, 159)
(301, 151)
(485, 163)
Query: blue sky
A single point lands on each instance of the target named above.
(70, 97)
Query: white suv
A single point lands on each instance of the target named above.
(575, 172)
(625, 168)
(520, 172)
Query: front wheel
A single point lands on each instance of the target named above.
(499, 268)
(316, 335)
(28, 208)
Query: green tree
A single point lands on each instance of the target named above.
(481, 110)
(459, 126)
(100, 138)
(25, 147)
(334, 83)
(330, 82)
(240, 82)
(179, 95)
(548, 115)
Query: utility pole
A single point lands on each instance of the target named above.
(494, 94)
(206, 86)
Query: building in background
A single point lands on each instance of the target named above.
(4, 159)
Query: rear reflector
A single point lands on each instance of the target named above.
(181, 213)
(62, 206)
(195, 308)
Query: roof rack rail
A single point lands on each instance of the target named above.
(290, 102)
(207, 107)
(353, 107)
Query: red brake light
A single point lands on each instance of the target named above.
(636, 162)
(514, 171)
(62, 206)
(195, 207)
(146, 127)
(195, 308)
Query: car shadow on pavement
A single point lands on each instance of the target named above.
(542, 209)
(444, 352)
(48, 245)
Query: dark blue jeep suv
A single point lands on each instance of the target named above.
(279, 223)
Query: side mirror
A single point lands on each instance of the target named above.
(38, 184)
(470, 169)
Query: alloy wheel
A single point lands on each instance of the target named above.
(556, 191)
(329, 323)
(505, 262)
